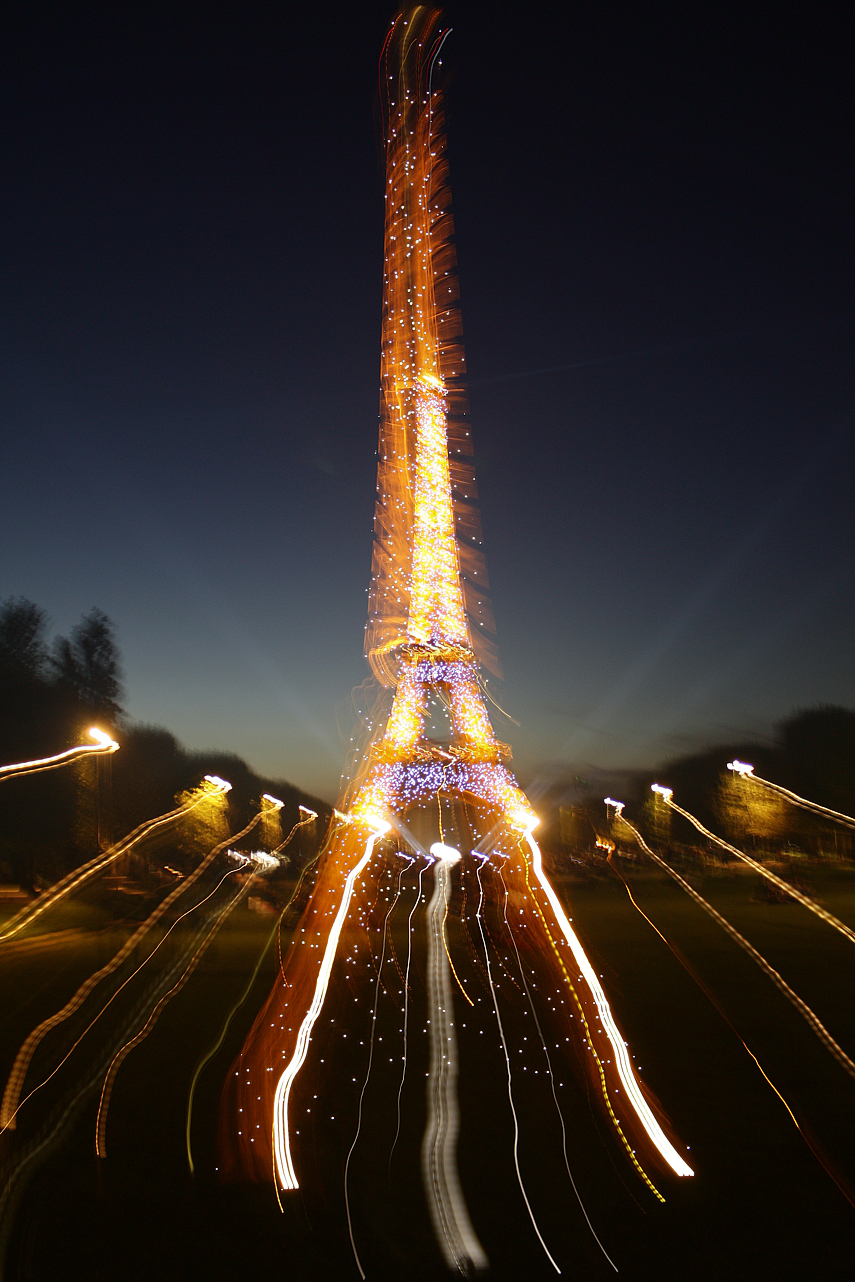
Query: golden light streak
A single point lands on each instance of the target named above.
(790, 890)
(103, 745)
(777, 979)
(78, 876)
(709, 995)
(589, 1042)
(122, 1054)
(281, 1138)
(622, 1060)
(747, 772)
(501, 1026)
(537, 1025)
(10, 1106)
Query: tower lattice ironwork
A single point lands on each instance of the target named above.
(430, 621)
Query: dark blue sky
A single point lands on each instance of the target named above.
(654, 213)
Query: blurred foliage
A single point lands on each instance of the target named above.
(749, 814)
(811, 752)
(656, 819)
(50, 696)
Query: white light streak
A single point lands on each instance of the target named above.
(778, 980)
(790, 890)
(451, 1223)
(281, 1137)
(610, 1028)
(103, 745)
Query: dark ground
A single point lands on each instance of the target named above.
(760, 1206)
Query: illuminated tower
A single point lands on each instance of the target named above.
(428, 637)
(430, 622)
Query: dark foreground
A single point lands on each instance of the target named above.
(761, 1205)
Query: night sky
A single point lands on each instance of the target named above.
(654, 226)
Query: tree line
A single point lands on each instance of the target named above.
(50, 694)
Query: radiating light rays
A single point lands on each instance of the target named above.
(386, 921)
(285, 1171)
(747, 772)
(452, 1226)
(10, 1105)
(780, 983)
(480, 921)
(786, 886)
(85, 872)
(103, 746)
(622, 1061)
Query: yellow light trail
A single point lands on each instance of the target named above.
(537, 1025)
(790, 890)
(103, 745)
(281, 1137)
(501, 1026)
(610, 1028)
(777, 979)
(10, 1106)
(78, 876)
(121, 1055)
(747, 772)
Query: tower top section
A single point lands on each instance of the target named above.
(422, 369)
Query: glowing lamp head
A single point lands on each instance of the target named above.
(103, 739)
(310, 814)
(617, 806)
(447, 854)
(525, 819)
(740, 768)
(273, 801)
(665, 793)
(263, 861)
(380, 826)
(220, 785)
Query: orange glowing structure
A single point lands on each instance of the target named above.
(430, 623)
(428, 638)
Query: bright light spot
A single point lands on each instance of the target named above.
(446, 853)
(665, 793)
(264, 861)
(617, 805)
(222, 785)
(274, 801)
(740, 767)
(313, 814)
(100, 737)
(379, 825)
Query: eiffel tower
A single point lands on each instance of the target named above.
(428, 638)
(430, 623)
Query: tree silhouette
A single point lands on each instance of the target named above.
(88, 664)
(23, 650)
